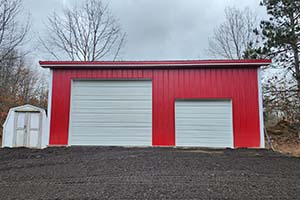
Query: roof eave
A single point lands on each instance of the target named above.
(153, 64)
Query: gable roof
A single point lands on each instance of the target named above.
(23, 108)
(27, 108)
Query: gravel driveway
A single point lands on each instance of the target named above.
(147, 173)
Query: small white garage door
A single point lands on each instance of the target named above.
(111, 112)
(204, 123)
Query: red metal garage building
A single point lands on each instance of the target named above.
(214, 103)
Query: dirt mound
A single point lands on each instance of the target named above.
(284, 137)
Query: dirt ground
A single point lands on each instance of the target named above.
(285, 145)
(284, 137)
(147, 173)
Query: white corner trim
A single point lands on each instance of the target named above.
(70, 114)
(49, 103)
(261, 109)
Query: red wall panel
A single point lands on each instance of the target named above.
(238, 84)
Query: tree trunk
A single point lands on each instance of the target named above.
(297, 66)
(294, 45)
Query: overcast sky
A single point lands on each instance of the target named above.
(156, 29)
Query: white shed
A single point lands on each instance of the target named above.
(26, 126)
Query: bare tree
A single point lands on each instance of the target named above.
(235, 35)
(19, 83)
(12, 32)
(280, 96)
(86, 33)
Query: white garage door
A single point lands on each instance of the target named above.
(204, 123)
(111, 112)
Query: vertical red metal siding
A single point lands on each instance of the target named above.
(239, 84)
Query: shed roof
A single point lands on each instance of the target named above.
(23, 108)
(153, 64)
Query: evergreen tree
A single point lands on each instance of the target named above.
(281, 34)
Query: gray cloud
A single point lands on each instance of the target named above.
(156, 30)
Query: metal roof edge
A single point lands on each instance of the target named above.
(151, 64)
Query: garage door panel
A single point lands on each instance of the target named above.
(112, 131)
(125, 97)
(111, 113)
(195, 134)
(112, 124)
(113, 138)
(125, 120)
(118, 126)
(111, 104)
(203, 129)
(112, 101)
(192, 120)
(204, 123)
(117, 138)
(139, 117)
(202, 110)
(112, 83)
(212, 113)
(101, 91)
(193, 125)
(208, 142)
(109, 143)
(108, 111)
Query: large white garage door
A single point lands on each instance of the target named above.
(111, 112)
(204, 123)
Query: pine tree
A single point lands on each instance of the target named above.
(281, 34)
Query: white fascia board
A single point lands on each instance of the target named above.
(152, 65)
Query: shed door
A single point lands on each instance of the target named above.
(21, 126)
(111, 112)
(204, 123)
(27, 129)
(34, 129)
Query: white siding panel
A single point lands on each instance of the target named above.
(204, 123)
(111, 112)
